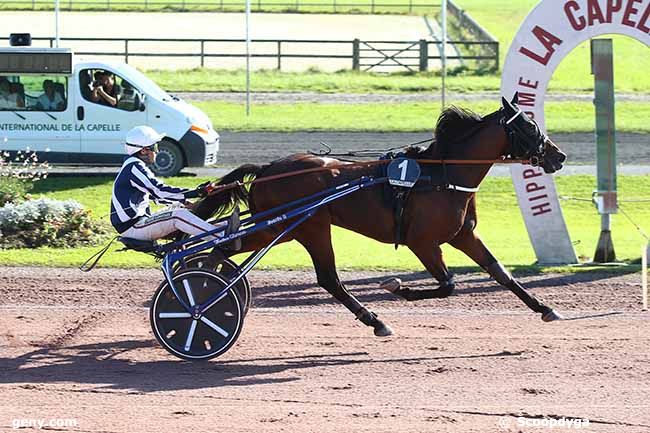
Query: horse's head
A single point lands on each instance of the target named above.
(527, 141)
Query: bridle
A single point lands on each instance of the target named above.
(523, 144)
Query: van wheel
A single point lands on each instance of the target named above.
(169, 160)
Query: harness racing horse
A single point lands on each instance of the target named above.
(431, 217)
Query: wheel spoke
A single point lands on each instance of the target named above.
(188, 292)
(174, 315)
(190, 336)
(214, 326)
(216, 301)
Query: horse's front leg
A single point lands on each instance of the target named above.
(432, 260)
(470, 243)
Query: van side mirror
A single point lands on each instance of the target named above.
(142, 106)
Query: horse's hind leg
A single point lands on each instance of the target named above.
(432, 260)
(316, 238)
(470, 243)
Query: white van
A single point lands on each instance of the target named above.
(49, 104)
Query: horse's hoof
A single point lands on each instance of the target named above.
(383, 330)
(551, 316)
(391, 284)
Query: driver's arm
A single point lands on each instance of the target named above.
(94, 95)
(108, 98)
(144, 180)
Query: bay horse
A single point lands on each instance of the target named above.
(431, 217)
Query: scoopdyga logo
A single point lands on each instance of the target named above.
(562, 424)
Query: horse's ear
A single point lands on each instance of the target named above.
(507, 105)
(515, 99)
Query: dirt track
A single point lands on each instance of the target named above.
(79, 346)
(262, 147)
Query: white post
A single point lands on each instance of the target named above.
(56, 23)
(644, 275)
(248, 59)
(444, 50)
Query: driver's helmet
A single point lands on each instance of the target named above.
(141, 137)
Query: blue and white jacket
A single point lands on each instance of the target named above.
(133, 187)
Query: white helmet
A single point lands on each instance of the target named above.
(140, 137)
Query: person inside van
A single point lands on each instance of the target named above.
(50, 100)
(104, 90)
(135, 184)
(16, 94)
(8, 100)
(4, 94)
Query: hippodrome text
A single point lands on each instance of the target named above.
(598, 12)
(627, 13)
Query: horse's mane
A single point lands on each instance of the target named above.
(454, 121)
(453, 124)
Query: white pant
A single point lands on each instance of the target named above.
(162, 223)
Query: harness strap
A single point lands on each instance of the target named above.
(98, 255)
(216, 189)
(517, 114)
(401, 197)
(462, 188)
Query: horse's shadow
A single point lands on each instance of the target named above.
(367, 290)
(102, 366)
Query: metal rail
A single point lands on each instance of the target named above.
(363, 55)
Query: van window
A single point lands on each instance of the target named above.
(33, 93)
(109, 89)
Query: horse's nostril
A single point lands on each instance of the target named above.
(562, 157)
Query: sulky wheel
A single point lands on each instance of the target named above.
(202, 337)
(229, 269)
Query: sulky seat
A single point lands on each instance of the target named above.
(139, 245)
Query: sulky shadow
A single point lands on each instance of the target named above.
(104, 367)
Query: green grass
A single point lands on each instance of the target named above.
(314, 6)
(560, 116)
(572, 76)
(500, 224)
(346, 81)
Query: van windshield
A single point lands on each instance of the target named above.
(139, 80)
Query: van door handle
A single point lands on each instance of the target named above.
(80, 113)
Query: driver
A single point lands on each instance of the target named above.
(135, 184)
(104, 89)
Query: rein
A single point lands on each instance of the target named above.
(220, 188)
(365, 153)
(531, 160)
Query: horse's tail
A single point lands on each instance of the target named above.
(222, 202)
